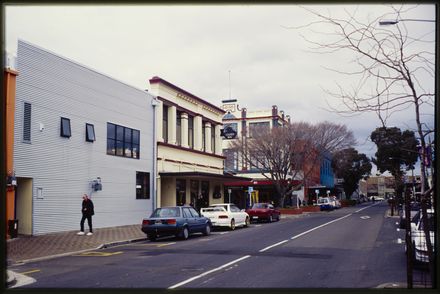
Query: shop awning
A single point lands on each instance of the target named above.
(227, 177)
(253, 183)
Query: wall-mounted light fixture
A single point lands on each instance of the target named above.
(96, 184)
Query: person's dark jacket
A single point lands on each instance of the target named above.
(87, 207)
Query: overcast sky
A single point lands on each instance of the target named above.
(199, 47)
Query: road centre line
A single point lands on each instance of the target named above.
(31, 272)
(268, 247)
(208, 272)
(367, 207)
(315, 228)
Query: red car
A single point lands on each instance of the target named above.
(263, 211)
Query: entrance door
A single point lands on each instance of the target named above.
(180, 192)
(23, 206)
(194, 192)
(204, 201)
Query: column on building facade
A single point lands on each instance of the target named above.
(172, 120)
(208, 137)
(159, 113)
(184, 126)
(218, 140)
(198, 129)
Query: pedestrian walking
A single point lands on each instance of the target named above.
(87, 212)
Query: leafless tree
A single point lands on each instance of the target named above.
(289, 155)
(390, 67)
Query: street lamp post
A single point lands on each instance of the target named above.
(393, 22)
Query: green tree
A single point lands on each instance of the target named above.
(351, 166)
(396, 151)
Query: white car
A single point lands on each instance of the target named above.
(226, 215)
(418, 239)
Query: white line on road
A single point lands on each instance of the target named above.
(366, 207)
(208, 272)
(268, 247)
(315, 228)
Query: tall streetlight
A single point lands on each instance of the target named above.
(422, 190)
(393, 22)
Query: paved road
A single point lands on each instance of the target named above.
(352, 247)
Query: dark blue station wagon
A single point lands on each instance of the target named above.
(180, 221)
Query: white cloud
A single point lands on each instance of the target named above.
(195, 47)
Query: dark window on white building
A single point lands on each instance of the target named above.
(122, 141)
(90, 133)
(142, 185)
(27, 113)
(65, 128)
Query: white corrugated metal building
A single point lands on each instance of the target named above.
(73, 125)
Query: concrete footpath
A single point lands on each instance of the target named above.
(32, 248)
(24, 249)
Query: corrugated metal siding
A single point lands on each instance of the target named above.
(64, 167)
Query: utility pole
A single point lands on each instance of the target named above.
(408, 241)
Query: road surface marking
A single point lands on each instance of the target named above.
(365, 217)
(399, 241)
(398, 229)
(156, 245)
(30, 272)
(366, 207)
(268, 247)
(306, 232)
(258, 225)
(94, 253)
(222, 233)
(208, 272)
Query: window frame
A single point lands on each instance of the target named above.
(27, 122)
(65, 133)
(118, 140)
(90, 137)
(165, 122)
(143, 180)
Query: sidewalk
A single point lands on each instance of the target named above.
(32, 248)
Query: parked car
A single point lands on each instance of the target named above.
(325, 203)
(226, 215)
(414, 209)
(180, 221)
(418, 239)
(263, 211)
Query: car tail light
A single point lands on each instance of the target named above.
(222, 216)
(145, 222)
(171, 221)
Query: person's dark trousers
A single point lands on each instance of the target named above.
(89, 221)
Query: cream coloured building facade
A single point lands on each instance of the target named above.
(190, 163)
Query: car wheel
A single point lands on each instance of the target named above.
(151, 237)
(207, 230)
(270, 218)
(184, 234)
(247, 222)
(232, 225)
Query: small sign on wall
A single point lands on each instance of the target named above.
(40, 193)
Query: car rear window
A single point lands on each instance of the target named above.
(260, 205)
(214, 208)
(166, 212)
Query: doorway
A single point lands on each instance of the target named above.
(23, 206)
